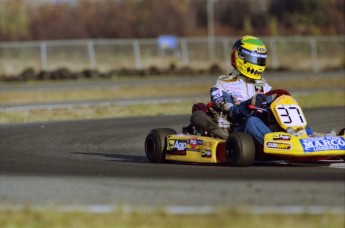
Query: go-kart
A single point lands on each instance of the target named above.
(288, 140)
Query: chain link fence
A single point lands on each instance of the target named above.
(307, 53)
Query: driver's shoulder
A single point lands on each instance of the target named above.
(227, 78)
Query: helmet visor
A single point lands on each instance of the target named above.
(253, 57)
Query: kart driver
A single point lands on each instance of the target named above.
(233, 93)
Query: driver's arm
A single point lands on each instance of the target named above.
(223, 100)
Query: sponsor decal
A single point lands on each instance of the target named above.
(261, 49)
(259, 88)
(193, 142)
(180, 145)
(206, 153)
(278, 145)
(208, 145)
(217, 94)
(177, 147)
(237, 97)
(323, 143)
(234, 87)
(282, 137)
(254, 54)
(171, 144)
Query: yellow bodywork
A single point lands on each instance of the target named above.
(193, 148)
(284, 144)
(289, 114)
(286, 109)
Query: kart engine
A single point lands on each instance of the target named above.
(216, 114)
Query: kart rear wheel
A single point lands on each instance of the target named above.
(155, 144)
(240, 149)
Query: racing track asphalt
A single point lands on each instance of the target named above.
(102, 162)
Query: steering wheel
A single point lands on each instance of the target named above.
(277, 92)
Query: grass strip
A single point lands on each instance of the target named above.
(320, 99)
(228, 218)
(22, 97)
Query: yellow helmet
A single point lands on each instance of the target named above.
(248, 56)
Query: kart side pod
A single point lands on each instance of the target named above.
(163, 144)
(286, 145)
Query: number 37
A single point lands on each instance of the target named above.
(290, 115)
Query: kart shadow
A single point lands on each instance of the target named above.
(125, 158)
(295, 164)
(117, 157)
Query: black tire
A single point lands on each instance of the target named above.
(240, 149)
(155, 144)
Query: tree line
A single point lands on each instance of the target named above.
(22, 20)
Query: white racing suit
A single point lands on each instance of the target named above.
(233, 93)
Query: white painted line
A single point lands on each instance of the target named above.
(337, 165)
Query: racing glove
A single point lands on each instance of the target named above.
(238, 113)
(258, 100)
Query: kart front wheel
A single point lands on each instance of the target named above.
(240, 149)
(155, 144)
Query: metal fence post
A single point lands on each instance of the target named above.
(273, 54)
(226, 52)
(185, 53)
(137, 55)
(91, 52)
(211, 29)
(44, 58)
